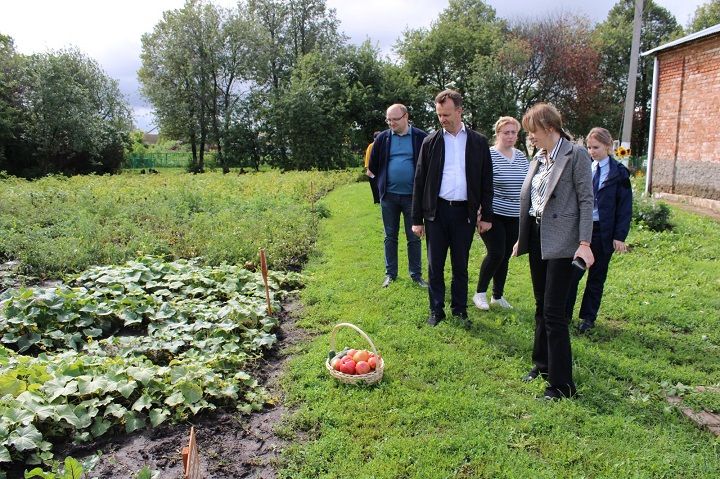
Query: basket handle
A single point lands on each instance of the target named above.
(352, 326)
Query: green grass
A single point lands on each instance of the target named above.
(451, 403)
(57, 225)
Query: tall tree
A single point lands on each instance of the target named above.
(10, 107)
(312, 117)
(176, 74)
(705, 16)
(76, 119)
(613, 38)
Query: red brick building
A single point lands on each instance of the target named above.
(684, 141)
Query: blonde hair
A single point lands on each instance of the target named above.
(504, 120)
(545, 116)
(601, 135)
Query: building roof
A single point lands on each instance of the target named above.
(686, 39)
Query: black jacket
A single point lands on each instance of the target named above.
(428, 177)
(381, 152)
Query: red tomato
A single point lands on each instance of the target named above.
(348, 367)
(362, 367)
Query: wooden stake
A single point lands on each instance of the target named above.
(264, 271)
(191, 458)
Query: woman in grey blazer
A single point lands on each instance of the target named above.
(556, 203)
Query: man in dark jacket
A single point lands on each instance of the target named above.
(452, 196)
(392, 161)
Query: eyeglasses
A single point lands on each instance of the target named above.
(390, 120)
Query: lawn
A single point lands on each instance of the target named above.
(451, 403)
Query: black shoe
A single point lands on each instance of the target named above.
(420, 282)
(585, 326)
(534, 373)
(556, 393)
(387, 281)
(463, 319)
(435, 318)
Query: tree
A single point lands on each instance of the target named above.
(175, 75)
(373, 84)
(705, 16)
(613, 38)
(287, 30)
(10, 107)
(75, 119)
(312, 118)
(444, 55)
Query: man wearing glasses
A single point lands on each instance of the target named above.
(392, 161)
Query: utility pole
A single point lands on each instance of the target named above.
(632, 78)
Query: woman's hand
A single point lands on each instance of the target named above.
(515, 248)
(419, 230)
(586, 254)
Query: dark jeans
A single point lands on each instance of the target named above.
(391, 206)
(452, 230)
(499, 243)
(551, 281)
(597, 274)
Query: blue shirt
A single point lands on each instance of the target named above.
(604, 172)
(400, 169)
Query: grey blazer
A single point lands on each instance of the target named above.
(567, 215)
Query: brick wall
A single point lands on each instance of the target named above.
(687, 131)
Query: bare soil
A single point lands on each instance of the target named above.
(230, 445)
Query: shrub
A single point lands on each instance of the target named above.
(651, 214)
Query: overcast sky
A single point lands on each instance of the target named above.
(110, 31)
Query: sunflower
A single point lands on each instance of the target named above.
(622, 152)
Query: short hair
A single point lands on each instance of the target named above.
(444, 95)
(545, 116)
(504, 120)
(402, 107)
(601, 135)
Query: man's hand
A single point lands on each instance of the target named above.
(419, 230)
(483, 226)
(620, 246)
(515, 248)
(370, 173)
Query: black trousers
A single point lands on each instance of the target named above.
(595, 284)
(451, 230)
(551, 282)
(499, 243)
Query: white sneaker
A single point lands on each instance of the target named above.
(480, 300)
(502, 302)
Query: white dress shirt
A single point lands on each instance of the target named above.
(454, 184)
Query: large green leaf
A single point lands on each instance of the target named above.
(73, 469)
(4, 454)
(158, 416)
(100, 426)
(25, 438)
(10, 384)
(143, 402)
(190, 391)
(133, 421)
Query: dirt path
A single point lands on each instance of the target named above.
(230, 446)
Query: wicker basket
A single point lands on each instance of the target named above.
(370, 378)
